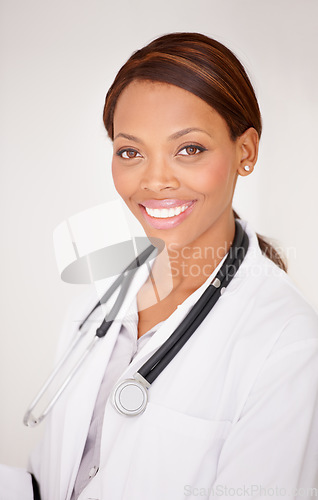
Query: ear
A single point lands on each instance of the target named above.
(247, 150)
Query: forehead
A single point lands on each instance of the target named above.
(145, 105)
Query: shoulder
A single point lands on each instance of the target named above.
(274, 297)
(297, 318)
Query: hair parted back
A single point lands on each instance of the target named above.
(207, 69)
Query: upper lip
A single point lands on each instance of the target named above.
(165, 203)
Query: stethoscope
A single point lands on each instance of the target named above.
(130, 396)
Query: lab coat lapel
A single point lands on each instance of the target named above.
(76, 415)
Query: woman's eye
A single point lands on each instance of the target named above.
(128, 154)
(191, 150)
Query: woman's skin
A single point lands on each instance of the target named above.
(159, 161)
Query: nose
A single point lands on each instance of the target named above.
(158, 175)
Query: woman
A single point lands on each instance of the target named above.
(234, 414)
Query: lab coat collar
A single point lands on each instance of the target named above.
(167, 327)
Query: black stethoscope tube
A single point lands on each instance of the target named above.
(206, 308)
(162, 357)
(131, 269)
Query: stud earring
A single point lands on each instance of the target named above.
(247, 168)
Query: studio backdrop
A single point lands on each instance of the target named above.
(58, 59)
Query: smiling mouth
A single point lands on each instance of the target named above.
(169, 216)
(166, 213)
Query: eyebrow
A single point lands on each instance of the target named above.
(185, 131)
(172, 137)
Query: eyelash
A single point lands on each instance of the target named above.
(195, 146)
(126, 150)
(201, 149)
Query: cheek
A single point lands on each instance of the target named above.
(214, 176)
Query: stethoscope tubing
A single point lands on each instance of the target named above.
(29, 419)
(151, 376)
(131, 269)
(162, 357)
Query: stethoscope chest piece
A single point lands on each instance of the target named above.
(130, 397)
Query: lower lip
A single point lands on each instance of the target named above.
(169, 222)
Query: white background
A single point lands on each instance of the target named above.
(58, 59)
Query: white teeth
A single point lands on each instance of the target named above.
(164, 213)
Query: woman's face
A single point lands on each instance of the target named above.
(174, 163)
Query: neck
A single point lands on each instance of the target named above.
(188, 267)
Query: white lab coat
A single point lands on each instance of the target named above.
(234, 415)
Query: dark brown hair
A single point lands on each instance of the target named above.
(207, 69)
